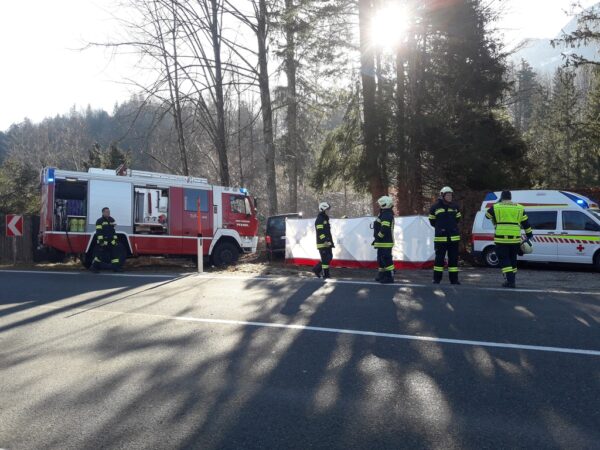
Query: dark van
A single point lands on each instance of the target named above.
(275, 234)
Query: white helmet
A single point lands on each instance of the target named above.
(385, 202)
(446, 190)
(526, 247)
(324, 206)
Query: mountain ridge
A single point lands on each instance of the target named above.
(544, 58)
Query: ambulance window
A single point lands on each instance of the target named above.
(190, 200)
(578, 221)
(542, 220)
(238, 206)
(487, 224)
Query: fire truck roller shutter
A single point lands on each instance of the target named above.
(116, 195)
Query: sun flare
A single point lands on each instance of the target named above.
(389, 26)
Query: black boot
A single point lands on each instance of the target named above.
(454, 278)
(510, 281)
(437, 277)
(317, 270)
(379, 275)
(326, 274)
(387, 278)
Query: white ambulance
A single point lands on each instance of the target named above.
(566, 228)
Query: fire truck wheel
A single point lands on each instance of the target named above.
(56, 256)
(225, 254)
(86, 259)
(490, 258)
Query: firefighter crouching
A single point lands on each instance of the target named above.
(383, 232)
(108, 252)
(324, 241)
(444, 216)
(509, 218)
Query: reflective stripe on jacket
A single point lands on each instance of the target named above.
(105, 231)
(509, 218)
(444, 217)
(323, 231)
(383, 229)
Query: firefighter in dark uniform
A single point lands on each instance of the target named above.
(324, 241)
(509, 218)
(444, 216)
(107, 250)
(383, 232)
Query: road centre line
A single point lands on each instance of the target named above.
(406, 337)
(130, 275)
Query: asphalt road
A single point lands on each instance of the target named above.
(225, 362)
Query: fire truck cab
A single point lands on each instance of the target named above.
(155, 214)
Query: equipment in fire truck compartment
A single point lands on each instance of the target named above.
(70, 206)
(151, 210)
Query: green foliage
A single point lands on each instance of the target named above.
(339, 162)
(455, 131)
(586, 33)
(111, 158)
(564, 136)
(19, 187)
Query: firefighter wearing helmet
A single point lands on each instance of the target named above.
(324, 241)
(383, 232)
(107, 251)
(444, 216)
(509, 218)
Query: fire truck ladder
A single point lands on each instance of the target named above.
(165, 176)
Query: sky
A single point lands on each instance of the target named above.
(45, 72)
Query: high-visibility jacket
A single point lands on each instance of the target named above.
(383, 229)
(323, 231)
(105, 231)
(444, 217)
(509, 218)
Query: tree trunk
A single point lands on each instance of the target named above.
(178, 109)
(367, 65)
(292, 105)
(402, 175)
(220, 102)
(239, 135)
(267, 112)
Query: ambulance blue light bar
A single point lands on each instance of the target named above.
(491, 197)
(581, 202)
(244, 191)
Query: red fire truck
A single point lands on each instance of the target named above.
(155, 213)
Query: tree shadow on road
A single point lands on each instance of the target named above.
(182, 385)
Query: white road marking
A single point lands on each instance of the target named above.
(407, 337)
(398, 285)
(104, 274)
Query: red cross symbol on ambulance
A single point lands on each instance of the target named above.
(581, 248)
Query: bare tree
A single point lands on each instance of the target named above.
(258, 23)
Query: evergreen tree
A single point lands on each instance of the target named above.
(19, 187)
(525, 89)
(592, 134)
